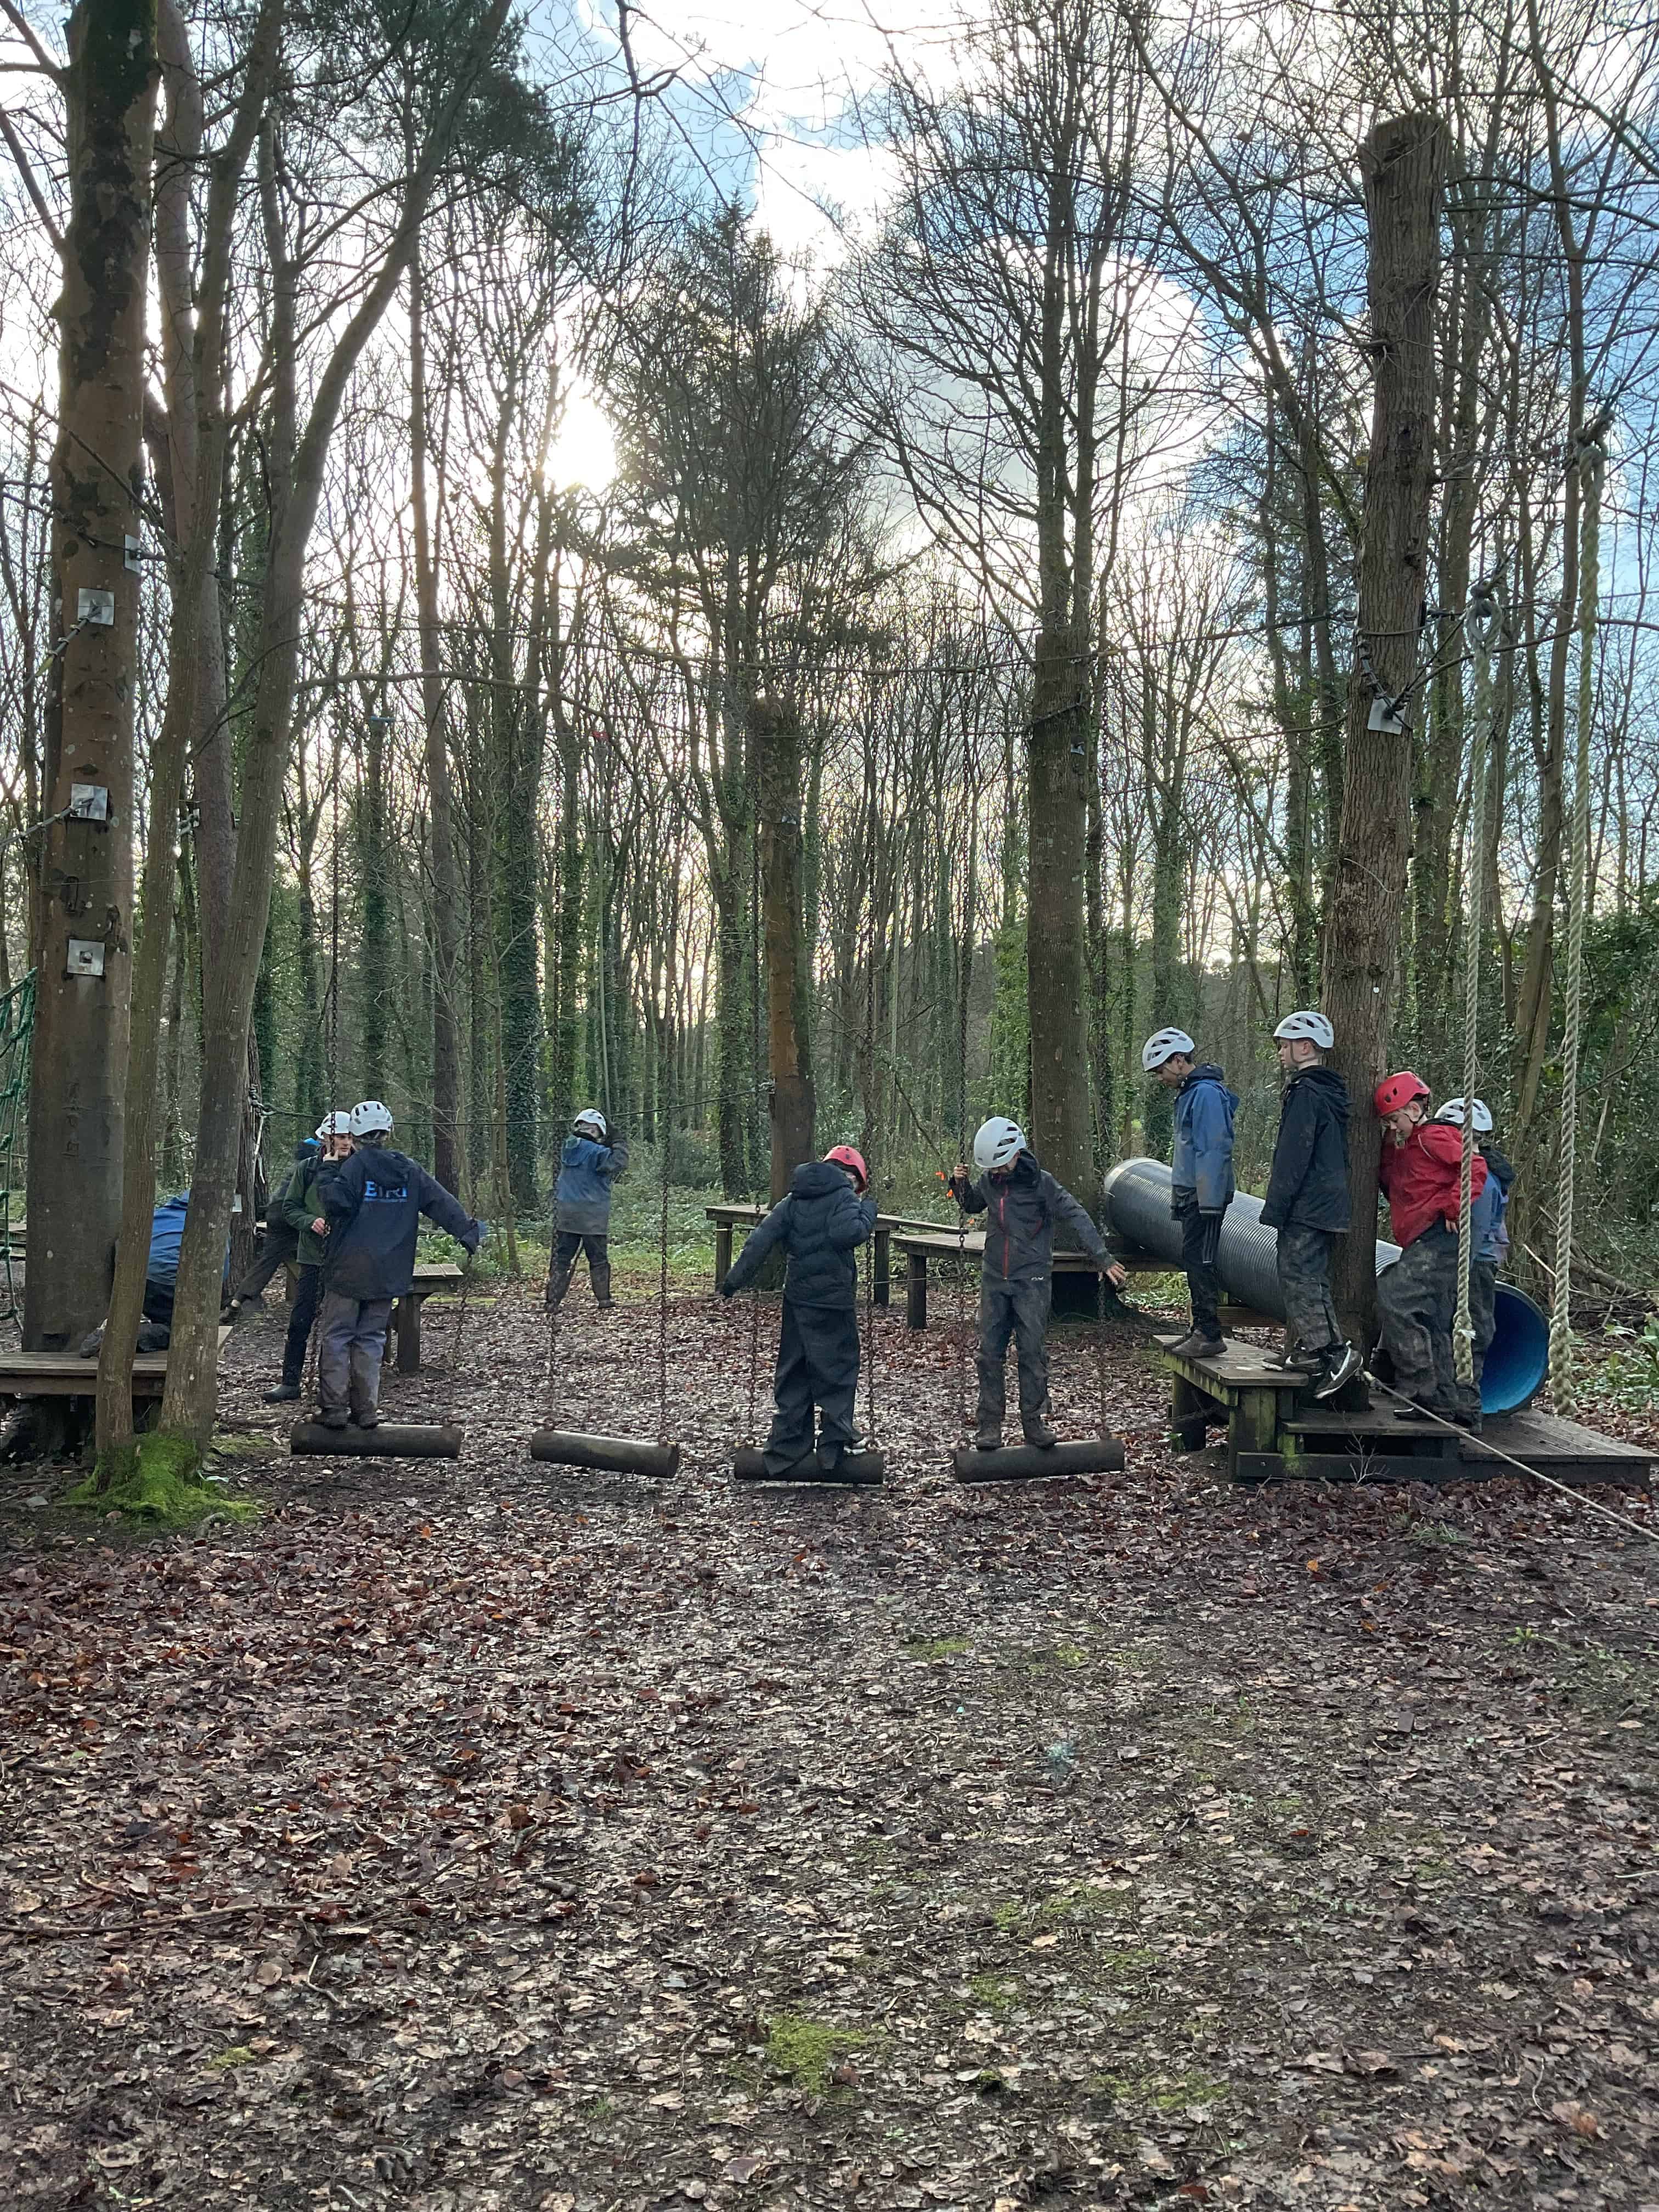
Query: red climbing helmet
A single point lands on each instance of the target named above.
(1397, 1090)
(848, 1156)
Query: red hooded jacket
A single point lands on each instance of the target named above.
(1420, 1178)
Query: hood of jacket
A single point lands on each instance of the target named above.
(1207, 1072)
(819, 1179)
(1330, 1086)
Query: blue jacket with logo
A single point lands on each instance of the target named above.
(374, 1204)
(1201, 1158)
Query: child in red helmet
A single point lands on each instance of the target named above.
(821, 1222)
(1416, 1297)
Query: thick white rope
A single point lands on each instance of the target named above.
(1589, 459)
(1521, 1467)
(1482, 625)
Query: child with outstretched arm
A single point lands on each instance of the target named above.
(1021, 1202)
(820, 1223)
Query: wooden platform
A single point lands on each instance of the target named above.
(66, 1374)
(1273, 1436)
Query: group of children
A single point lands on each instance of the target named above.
(1308, 1206)
(351, 1204)
(828, 1213)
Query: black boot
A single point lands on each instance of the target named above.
(283, 1394)
(558, 1283)
(599, 1274)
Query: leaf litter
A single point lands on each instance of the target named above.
(486, 1837)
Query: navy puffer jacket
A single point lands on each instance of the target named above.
(820, 1224)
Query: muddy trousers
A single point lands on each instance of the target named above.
(1200, 1245)
(1019, 1311)
(301, 1314)
(1302, 1260)
(817, 1366)
(349, 1348)
(569, 1244)
(1416, 1303)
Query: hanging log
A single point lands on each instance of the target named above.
(1030, 1463)
(853, 1471)
(389, 1440)
(605, 1455)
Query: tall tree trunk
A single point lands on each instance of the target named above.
(1402, 162)
(439, 790)
(788, 1003)
(374, 949)
(78, 1089)
(297, 468)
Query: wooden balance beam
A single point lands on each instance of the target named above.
(1273, 1436)
(66, 1374)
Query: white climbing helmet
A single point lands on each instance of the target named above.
(593, 1122)
(1453, 1111)
(333, 1125)
(371, 1118)
(998, 1143)
(1164, 1044)
(1311, 1024)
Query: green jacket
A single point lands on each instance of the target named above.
(303, 1204)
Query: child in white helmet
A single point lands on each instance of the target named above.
(590, 1163)
(1201, 1173)
(373, 1208)
(1308, 1201)
(1021, 1202)
(303, 1207)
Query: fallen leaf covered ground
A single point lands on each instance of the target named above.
(478, 1835)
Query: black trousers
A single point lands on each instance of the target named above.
(276, 1248)
(1200, 1242)
(569, 1242)
(817, 1366)
(301, 1315)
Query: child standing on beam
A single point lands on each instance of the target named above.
(820, 1223)
(1021, 1202)
(1308, 1201)
(373, 1206)
(1489, 1235)
(1421, 1174)
(1200, 1174)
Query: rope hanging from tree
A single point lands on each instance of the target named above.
(1482, 624)
(1588, 458)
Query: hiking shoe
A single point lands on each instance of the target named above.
(283, 1394)
(1340, 1365)
(986, 1438)
(1197, 1345)
(365, 1421)
(333, 1420)
(1419, 1409)
(1469, 1417)
(1039, 1434)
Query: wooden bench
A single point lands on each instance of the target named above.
(921, 1246)
(431, 1276)
(1274, 1436)
(66, 1374)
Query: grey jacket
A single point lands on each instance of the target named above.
(1021, 1209)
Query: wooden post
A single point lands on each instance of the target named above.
(1402, 164)
(884, 1267)
(915, 1290)
(722, 1252)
